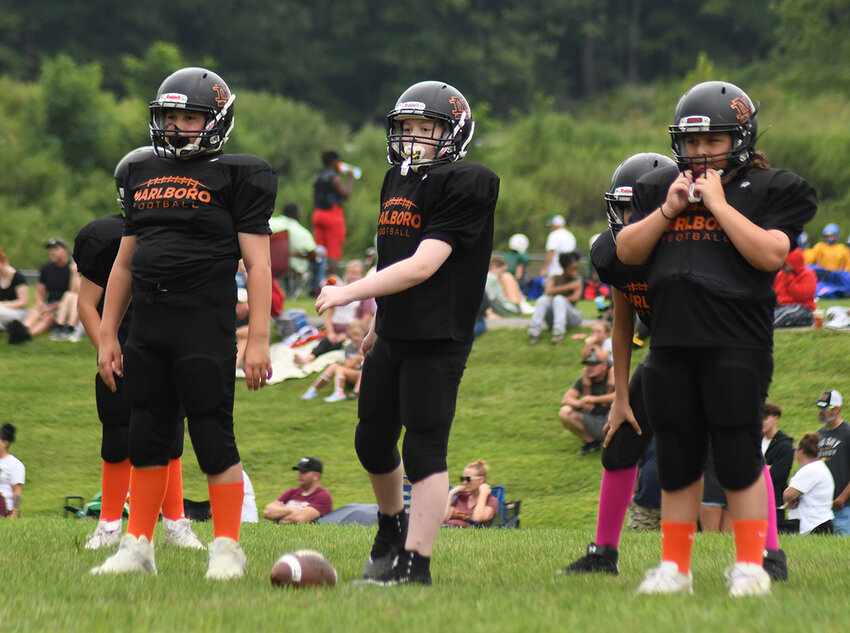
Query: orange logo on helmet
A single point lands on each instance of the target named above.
(459, 107)
(222, 94)
(743, 107)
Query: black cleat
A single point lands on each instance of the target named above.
(598, 558)
(776, 565)
(409, 569)
(389, 543)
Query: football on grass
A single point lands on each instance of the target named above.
(303, 568)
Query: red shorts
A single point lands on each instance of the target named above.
(329, 229)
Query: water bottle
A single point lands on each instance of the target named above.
(345, 168)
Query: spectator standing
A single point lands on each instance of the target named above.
(834, 449)
(330, 190)
(559, 241)
(12, 475)
(305, 503)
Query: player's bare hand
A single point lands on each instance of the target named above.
(619, 413)
(110, 361)
(257, 365)
(677, 195)
(709, 187)
(330, 297)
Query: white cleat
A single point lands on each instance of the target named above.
(667, 579)
(227, 560)
(179, 534)
(133, 556)
(106, 534)
(747, 579)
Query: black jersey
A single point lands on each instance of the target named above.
(56, 280)
(95, 250)
(629, 280)
(454, 203)
(702, 290)
(185, 214)
(325, 194)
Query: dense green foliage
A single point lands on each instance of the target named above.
(74, 104)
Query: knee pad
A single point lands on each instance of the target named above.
(200, 383)
(376, 450)
(627, 447)
(112, 409)
(424, 453)
(115, 444)
(151, 439)
(179, 433)
(214, 443)
(738, 459)
(681, 441)
(146, 379)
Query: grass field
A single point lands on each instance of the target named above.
(484, 580)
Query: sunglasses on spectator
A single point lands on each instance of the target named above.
(466, 480)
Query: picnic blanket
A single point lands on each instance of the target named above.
(284, 367)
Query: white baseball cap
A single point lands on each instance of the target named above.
(829, 399)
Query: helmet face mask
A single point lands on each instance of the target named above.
(715, 107)
(197, 90)
(618, 198)
(412, 147)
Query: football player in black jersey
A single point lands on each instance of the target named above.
(435, 236)
(625, 443)
(713, 240)
(94, 251)
(190, 213)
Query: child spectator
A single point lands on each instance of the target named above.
(348, 373)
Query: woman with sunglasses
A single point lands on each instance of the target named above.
(471, 503)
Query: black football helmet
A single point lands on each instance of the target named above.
(429, 100)
(192, 89)
(123, 168)
(715, 106)
(619, 194)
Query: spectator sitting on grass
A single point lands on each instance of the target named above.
(471, 503)
(303, 504)
(347, 373)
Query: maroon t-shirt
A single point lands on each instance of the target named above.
(463, 505)
(319, 499)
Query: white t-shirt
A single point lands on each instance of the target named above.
(12, 473)
(249, 501)
(814, 481)
(560, 241)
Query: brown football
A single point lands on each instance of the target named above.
(303, 568)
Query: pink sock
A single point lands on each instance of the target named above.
(772, 538)
(618, 487)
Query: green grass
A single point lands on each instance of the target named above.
(485, 580)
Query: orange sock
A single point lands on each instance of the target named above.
(147, 490)
(750, 537)
(677, 541)
(114, 484)
(226, 508)
(172, 505)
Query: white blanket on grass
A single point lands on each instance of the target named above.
(284, 367)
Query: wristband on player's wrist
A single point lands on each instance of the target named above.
(661, 208)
